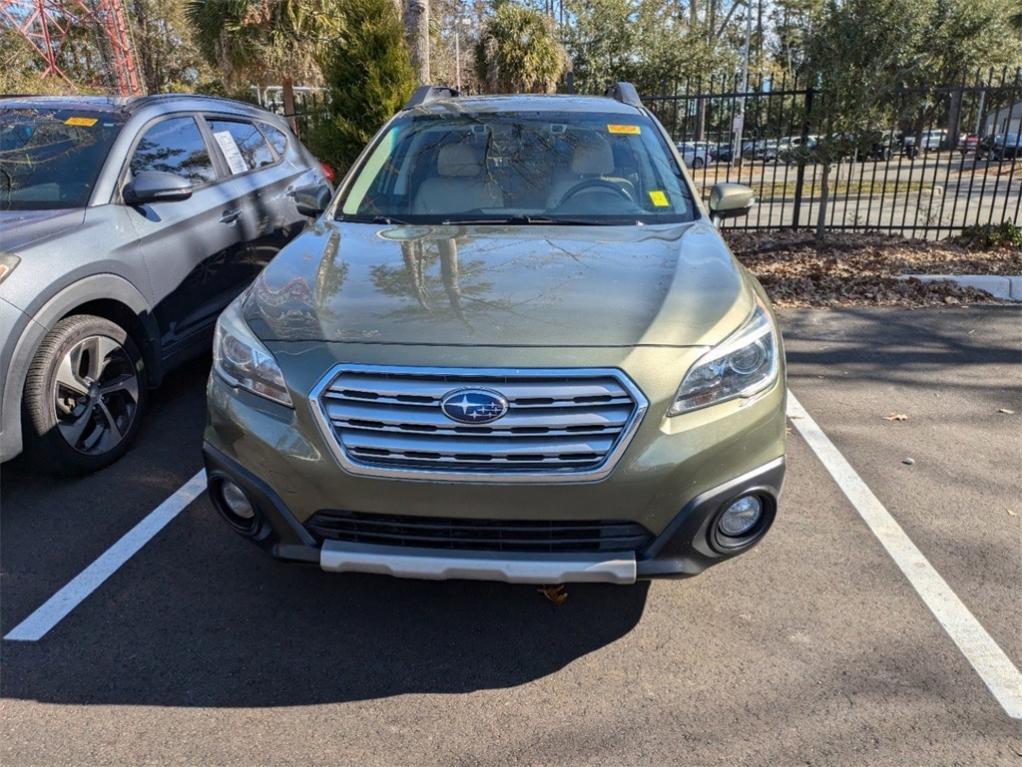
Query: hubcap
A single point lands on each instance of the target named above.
(95, 395)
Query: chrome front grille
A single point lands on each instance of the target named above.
(387, 421)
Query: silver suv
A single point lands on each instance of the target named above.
(126, 226)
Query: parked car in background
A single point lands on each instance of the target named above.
(932, 140)
(968, 143)
(709, 148)
(909, 147)
(723, 152)
(794, 148)
(128, 225)
(545, 371)
(771, 151)
(696, 154)
(1002, 147)
(752, 148)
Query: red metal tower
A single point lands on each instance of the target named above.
(45, 24)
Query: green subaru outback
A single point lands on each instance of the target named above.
(513, 347)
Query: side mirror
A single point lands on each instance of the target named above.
(156, 186)
(730, 201)
(312, 200)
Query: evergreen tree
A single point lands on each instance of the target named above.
(369, 74)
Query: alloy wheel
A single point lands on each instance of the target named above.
(95, 394)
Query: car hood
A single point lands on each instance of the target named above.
(674, 285)
(18, 228)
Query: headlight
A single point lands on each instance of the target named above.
(7, 263)
(241, 360)
(744, 364)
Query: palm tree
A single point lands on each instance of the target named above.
(264, 40)
(518, 51)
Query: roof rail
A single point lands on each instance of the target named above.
(137, 102)
(625, 93)
(427, 93)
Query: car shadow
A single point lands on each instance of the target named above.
(203, 618)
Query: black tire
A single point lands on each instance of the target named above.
(697, 163)
(84, 396)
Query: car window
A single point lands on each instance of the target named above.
(174, 146)
(535, 167)
(242, 144)
(51, 158)
(276, 137)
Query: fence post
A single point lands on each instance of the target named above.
(801, 172)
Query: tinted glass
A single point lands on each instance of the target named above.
(242, 144)
(277, 138)
(528, 167)
(52, 158)
(174, 146)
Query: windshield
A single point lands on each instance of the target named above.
(50, 158)
(520, 167)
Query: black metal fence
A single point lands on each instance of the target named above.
(311, 105)
(947, 158)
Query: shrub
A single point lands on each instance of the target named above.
(987, 236)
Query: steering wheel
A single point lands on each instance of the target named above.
(594, 183)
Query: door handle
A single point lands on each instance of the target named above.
(230, 216)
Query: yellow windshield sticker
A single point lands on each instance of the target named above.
(659, 199)
(626, 130)
(81, 122)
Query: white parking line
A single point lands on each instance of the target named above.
(987, 658)
(57, 607)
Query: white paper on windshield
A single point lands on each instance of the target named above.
(231, 152)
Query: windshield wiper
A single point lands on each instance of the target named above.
(531, 220)
(388, 220)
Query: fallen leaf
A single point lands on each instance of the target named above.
(895, 417)
(864, 269)
(1006, 411)
(556, 594)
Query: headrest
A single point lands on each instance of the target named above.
(592, 156)
(458, 160)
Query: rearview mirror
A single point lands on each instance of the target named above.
(156, 186)
(730, 201)
(312, 200)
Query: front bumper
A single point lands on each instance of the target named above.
(683, 548)
(673, 479)
(438, 565)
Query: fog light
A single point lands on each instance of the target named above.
(741, 516)
(236, 500)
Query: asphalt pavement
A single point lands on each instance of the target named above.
(813, 649)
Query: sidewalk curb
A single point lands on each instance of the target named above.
(1002, 287)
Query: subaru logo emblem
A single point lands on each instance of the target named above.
(473, 405)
